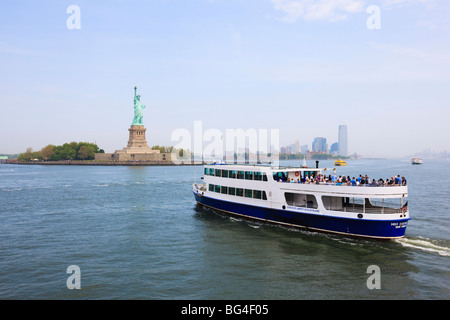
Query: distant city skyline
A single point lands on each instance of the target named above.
(319, 144)
(304, 67)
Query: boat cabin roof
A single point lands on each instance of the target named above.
(295, 169)
(252, 167)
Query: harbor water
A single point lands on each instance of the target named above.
(136, 233)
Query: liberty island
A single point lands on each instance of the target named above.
(137, 151)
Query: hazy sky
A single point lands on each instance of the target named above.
(300, 66)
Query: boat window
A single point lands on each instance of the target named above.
(385, 205)
(248, 193)
(248, 175)
(301, 200)
(232, 174)
(257, 194)
(264, 177)
(333, 203)
(218, 172)
(258, 176)
(280, 176)
(241, 175)
(364, 205)
(210, 172)
(224, 173)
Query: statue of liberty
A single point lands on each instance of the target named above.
(138, 108)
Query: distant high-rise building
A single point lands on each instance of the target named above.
(343, 141)
(334, 149)
(320, 144)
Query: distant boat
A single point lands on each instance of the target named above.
(304, 163)
(416, 161)
(340, 163)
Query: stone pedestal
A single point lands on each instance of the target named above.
(137, 142)
(137, 149)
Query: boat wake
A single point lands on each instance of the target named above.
(425, 244)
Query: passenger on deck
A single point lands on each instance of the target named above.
(363, 180)
(403, 181)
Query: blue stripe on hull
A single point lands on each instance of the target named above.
(386, 229)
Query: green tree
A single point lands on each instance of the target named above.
(64, 152)
(86, 152)
(29, 155)
(24, 157)
(56, 155)
(67, 151)
(47, 152)
(73, 145)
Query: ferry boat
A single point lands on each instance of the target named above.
(416, 161)
(285, 196)
(340, 163)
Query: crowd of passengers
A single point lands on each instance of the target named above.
(343, 180)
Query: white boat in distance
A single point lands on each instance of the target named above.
(416, 161)
(286, 196)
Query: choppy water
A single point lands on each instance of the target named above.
(136, 233)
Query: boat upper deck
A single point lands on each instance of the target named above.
(290, 176)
